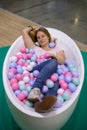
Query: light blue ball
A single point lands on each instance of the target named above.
(29, 104)
(50, 83)
(66, 96)
(76, 81)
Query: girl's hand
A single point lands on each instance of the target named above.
(60, 56)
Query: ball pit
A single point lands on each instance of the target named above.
(21, 109)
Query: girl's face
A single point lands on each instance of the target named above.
(42, 38)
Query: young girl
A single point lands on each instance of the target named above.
(46, 69)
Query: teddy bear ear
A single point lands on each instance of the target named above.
(32, 35)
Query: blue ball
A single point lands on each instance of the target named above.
(51, 44)
(72, 87)
(68, 79)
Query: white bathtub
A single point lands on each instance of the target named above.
(26, 117)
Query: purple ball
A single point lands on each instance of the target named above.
(45, 89)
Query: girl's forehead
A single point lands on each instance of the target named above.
(40, 32)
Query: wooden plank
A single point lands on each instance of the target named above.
(11, 26)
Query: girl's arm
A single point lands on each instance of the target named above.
(28, 42)
(59, 56)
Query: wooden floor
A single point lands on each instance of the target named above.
(11, 26)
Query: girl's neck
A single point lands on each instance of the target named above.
(46, 48)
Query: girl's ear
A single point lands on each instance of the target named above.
(32, 34)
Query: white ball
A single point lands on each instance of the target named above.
(29, 68)
(33, 64)
(60, 91)
(26, 79)
(13, 59)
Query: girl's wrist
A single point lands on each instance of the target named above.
(30, 28)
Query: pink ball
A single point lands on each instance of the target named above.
(20, 63)
(64, 85)
(18, 77)
(14, 86)
(21, 96)
(12, 70)
(23, 50)
(47, 55)
(61, 81)
(42, 56)
(13, 80)
(68, 74)
(24, 56)
(54, 77)
(19, 56)
(29, 55)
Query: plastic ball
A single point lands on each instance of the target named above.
(64, 85)
(21, 96)
(61, 81)
(28, 88)
(54, 77)
(45, 89)
(29, 104)
(60, 91)
(29, 68)
(31, 82)
(10, 75)
(21, 87)
(66, 96)
(68, 74)
(17, 92)
(33, 58)
(75, 74)
(51, 44)
(32, 51)
(27, 50)
(72, 87)
(12, 65)
(76, 81)
(68, 79)
(61, 77)
(21, 83)
(47, 55)
(49, 83)
(29, 55)
(13, 59)
(18, 77)
(13, 70)
(14, 86)
(59, 71)
(25, 93)
(33, 64)
(23, 50)
(19, 70)
(36, 73)
(60, 101)
(26, 79)
(13, 80)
